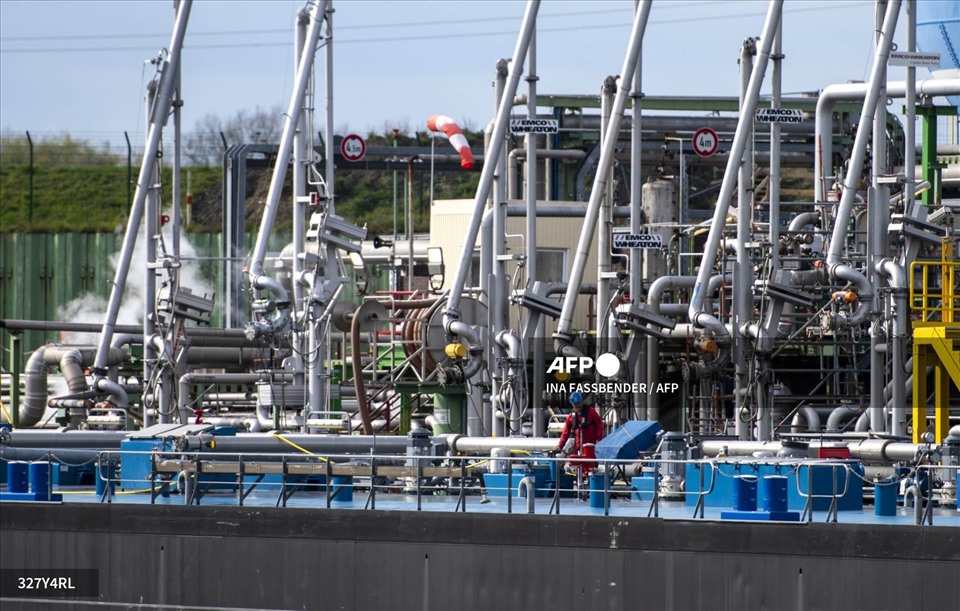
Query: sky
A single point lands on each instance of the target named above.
(79, 67)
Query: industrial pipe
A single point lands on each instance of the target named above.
(528, 489)
(158, 118)
(838, 270)
(698, 316)
(851, 92)
(451, 313)
(71, 360)
(258, 280)
(183, 386)
(483, 445)
(358, 384)
(841, 414)
(63, 438)
(897, 279)
(563, 341)
(320, 444)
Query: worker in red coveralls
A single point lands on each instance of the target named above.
(581, 432)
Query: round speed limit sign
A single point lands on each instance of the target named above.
(705, 142)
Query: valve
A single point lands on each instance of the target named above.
(705, 344)
(845, 296)
(450, 376)
(455, 350)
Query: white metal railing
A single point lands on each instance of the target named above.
(185, 471)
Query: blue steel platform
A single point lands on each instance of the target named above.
(671, 510)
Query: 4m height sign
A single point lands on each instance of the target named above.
(705, 142)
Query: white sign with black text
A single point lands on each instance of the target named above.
(914, 59)
(534, 126)
(637, 240)
(779, 115)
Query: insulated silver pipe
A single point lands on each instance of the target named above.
(531, 166)
(866, 450)
(291, 119)
(698, 316)
(150, 228)
(605, 226)
(654, 298)
(743, 271)
(452, 312)
(528, 488)
(837, 270)
(513, 350)
(72, 439)
(897, 279)
(563, 341)
(158, 118)
(839, 415)
(71, 360)
(300, 140)
(895, 272)
(320, 300)
(877, 222)
(775, 91)
(176, 182)
(532, 171)
(909, 126)
(865, 126)
(483, 445)
(329, 444)
(498, 289)
(636, 215)
(764, 414)
(851, 92)
(329, 146)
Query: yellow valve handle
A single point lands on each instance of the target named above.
(455, 351)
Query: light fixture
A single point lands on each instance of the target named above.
(435, 267)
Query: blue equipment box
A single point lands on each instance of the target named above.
(496, 483)
(822, 483)
(643, 487)
(629, 440)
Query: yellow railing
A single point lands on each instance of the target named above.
(937, 301)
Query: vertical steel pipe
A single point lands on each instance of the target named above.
(698, 316)
(452, 312)
(743, 271)
(291, 119)
(563, 339)
(161, 110)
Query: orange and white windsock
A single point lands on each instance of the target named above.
(440, 123)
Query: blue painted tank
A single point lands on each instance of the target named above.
(938, 31)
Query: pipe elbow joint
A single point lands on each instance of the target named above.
(511, 343)
(118, 396)
(563, 345)
(450, 317)
(763, 341)
(709, 323)
(266, 283)
(893, 272)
